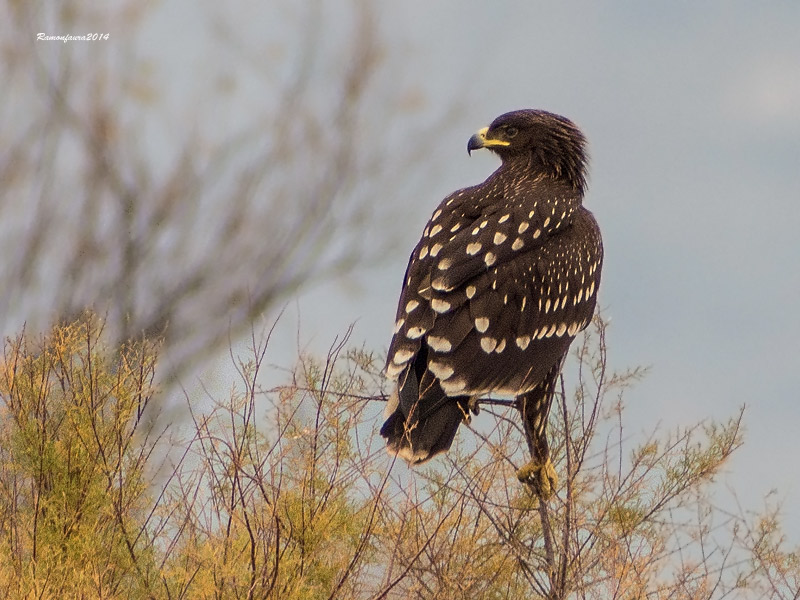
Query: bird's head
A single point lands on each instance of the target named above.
(546, 141)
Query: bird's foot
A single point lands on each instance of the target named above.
(541, 477)
(470, 409)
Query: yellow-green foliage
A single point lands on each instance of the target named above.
(271, 520)
(72, 488)
(243, 514)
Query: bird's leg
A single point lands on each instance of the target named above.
(534, 407)
(539, 472)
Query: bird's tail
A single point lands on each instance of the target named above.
(426, 429)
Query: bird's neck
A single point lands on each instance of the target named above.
(535, 167)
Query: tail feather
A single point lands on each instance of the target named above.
(419, 438)
(421, 419)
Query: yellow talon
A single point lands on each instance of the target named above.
(542, 478)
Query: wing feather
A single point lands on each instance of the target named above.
(496, 290)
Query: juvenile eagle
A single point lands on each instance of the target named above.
(505, 276)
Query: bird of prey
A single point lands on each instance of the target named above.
(504, 277)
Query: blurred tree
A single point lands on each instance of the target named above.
(181, 194)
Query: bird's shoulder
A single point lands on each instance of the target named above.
(478, 227)
(483, 248)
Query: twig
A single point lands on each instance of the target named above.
(377, 397)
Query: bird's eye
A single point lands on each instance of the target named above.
(511, 131)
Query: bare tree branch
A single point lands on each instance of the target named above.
(192, 234)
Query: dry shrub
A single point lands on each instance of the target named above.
(286, 492)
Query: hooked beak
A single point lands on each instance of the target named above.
(479, 140)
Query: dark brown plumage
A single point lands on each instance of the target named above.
(504, 277)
